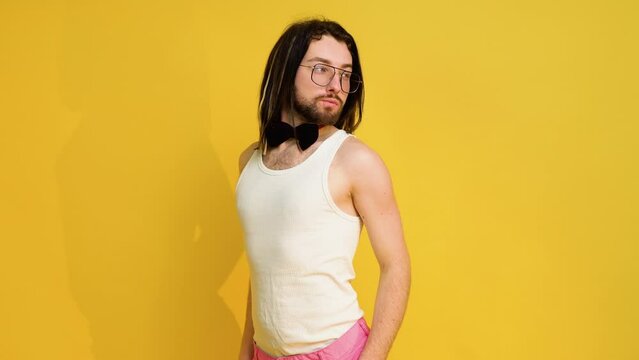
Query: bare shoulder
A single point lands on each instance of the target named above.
(360, 161)
(246, 155)
(355, 155)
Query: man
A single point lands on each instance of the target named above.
(304, 192)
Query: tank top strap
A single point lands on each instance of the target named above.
(334, 143)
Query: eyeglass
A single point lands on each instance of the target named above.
(323, 74)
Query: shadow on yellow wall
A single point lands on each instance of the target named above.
(141, 188)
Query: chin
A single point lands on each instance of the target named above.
(325, 121)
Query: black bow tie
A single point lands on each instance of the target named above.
(278, 131)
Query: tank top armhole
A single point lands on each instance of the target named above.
(327, 191)
(245, 169)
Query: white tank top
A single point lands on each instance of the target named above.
(300, 248)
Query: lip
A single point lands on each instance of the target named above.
(329, 101)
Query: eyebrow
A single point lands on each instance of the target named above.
(317, 58)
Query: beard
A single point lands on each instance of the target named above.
(312, 113)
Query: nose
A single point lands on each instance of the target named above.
(334, 86)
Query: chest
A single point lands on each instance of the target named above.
(287, 155)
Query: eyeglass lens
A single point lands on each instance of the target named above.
(323, 74)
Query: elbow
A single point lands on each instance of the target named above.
(400, 270)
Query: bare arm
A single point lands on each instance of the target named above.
(374, 200)
(246, 347)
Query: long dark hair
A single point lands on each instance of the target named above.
(278, 82)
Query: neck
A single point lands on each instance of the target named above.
(292, 118)
(296, 120)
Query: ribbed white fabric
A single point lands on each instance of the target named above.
(300, 248)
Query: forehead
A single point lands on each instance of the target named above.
(329, 50)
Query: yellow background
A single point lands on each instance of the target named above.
(510, 129)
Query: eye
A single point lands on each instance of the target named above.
(321, 69)
(347, 75)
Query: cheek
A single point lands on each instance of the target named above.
(343, 96)
(298, 79)
(302, 80)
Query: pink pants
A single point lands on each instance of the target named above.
(348, 347)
